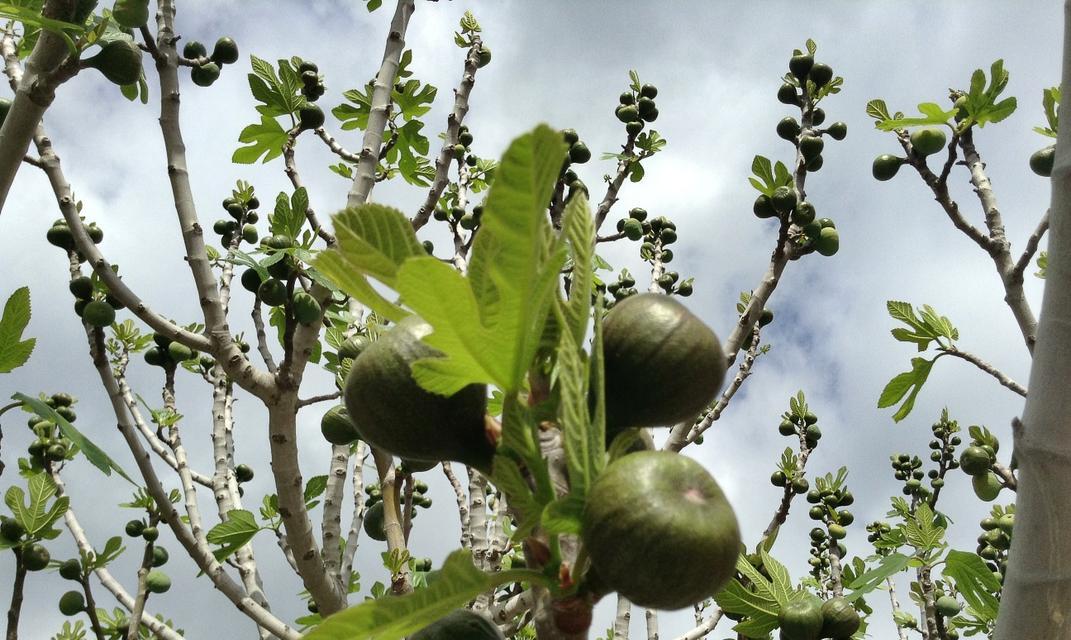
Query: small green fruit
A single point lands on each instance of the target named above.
(374, 521)
(310, 117)
(11, 529)
(82, 287)
(159, 556)
(948, 606)
(353, 347)
(150, 534)
(786, 94)
(71, 569)
(633, 229)
(801, 619)
(820, 75)
(811, 147)
(783, 199)
(225, 51)
(134, 528)
(839, 618)
(72, 603)
(251, 280)
(579, 153)
(337, 428)
(838, 130)
(194, 50)
(98, 314)
(800, 65)
(986, 486)
(763, 207)
(35, 557)
(828, 242)
(975, 461)
(131, 14)
(205, 75)
(788, 128)
(307, 310)
(179, 352)
(1041, 162)
(119, 61)
(243, 473)
(157, 582)
(886, 166)
(60, 235)
(927, 141)
(272, 292)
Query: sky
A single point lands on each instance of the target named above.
(717, 66)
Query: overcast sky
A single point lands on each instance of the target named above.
(717, 67)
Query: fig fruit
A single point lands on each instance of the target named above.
(461, 624)
(118, 60)
(392, 411)
(641, 512)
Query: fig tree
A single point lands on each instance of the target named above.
(660, 503)
(458, 625)
(662, 363)
(392, 411)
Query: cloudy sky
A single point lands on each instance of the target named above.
(717, 67)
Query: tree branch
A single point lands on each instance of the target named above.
(1001, 377)
(1031, 247)
(365, 176)
(34, 92)
(453, 128)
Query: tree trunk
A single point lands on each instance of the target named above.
(1037, 594)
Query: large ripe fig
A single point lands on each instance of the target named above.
(119, 61)
(801, 619)
(393, 412)
(461, 624)
(659, 530)
(840, 619)
(663, 364)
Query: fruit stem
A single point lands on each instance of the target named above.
(91, 611)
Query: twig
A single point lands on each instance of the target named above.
(381, 101)
(686, 433)
(1031, 247)
(1014, 295)
(143, 591)
(1001, 377)
(262, 338)
(453, 127)
(895, 604)
(1007, 475)
(652, 624)
(295, 179)
(335, 147)
(321, 398)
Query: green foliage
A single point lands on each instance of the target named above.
(14, 351)
(1050, 101)
(974, 582)
(93, 453)
(233, 533)
(761, 600)
(923, 328)
(41, 512)
(889, 565)
(981, 103)
(768, 178)
(394, 618)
